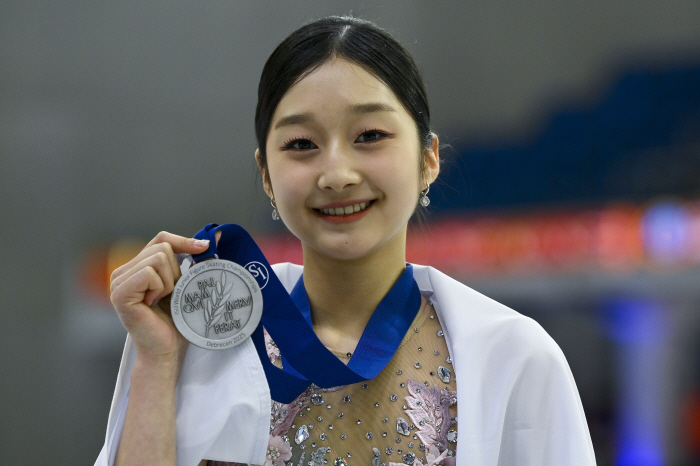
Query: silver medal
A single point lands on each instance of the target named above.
(216, 304)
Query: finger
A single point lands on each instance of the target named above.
(181, 244)
(161, 263)
(129, 299)
(143, 323)
(148, 251)
(177, 244)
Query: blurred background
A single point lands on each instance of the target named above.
(570, 190)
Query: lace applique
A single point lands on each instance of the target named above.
(433, 458)
(273, 351)
(429, 411)
(278, 451)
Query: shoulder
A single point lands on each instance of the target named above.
(477, 323)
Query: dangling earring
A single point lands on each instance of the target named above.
(424, 200)
(275, 215)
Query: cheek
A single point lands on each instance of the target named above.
(289, 184)
(404, 174)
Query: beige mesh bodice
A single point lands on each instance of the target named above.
(406, 415)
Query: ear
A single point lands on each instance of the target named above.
(431, 168)
(263, 172)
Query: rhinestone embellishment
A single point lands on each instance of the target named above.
(323, 436)
(417, 365)
(440, 333)
(369, 435)
(317, 399)
(444, 374)
(339, 461)
(409, 457)
(452, 436)
(302, 434)
(448, 360)
(394, 397)
(401, 427)
(389, 450)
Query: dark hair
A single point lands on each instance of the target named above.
(352, 39)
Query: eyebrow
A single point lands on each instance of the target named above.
(359, 109)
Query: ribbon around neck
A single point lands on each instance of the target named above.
(287, 319)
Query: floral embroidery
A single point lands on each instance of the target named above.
(433, 458)
(429, 411)
(278, 451)
(272, 350)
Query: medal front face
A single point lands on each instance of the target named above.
(216, 304)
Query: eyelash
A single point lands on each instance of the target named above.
(382, 135)
(288, 144)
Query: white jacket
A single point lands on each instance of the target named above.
(517, 402)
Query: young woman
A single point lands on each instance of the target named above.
(346, 155)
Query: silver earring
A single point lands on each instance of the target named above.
(424, 199)
(275, 215)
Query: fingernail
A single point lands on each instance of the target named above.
(200, 243)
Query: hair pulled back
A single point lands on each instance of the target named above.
(358, 41)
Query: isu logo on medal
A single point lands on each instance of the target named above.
(259, 271)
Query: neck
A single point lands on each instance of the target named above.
(344, 293)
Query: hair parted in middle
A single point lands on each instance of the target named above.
(355, 40)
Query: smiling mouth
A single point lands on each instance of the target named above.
(347, 210)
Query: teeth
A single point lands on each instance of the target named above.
(346, 210)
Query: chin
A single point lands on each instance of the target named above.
(342, 252)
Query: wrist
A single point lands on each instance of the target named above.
(163, 368)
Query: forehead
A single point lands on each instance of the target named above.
(332, 88)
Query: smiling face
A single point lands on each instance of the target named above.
(343, 162)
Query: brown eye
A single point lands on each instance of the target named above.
(371, 136)
(299, 144)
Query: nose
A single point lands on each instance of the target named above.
(339, 169)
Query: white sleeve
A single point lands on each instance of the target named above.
(222, 403)
(517, 402)
(543, 423)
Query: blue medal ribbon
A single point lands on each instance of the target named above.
(287, 318)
